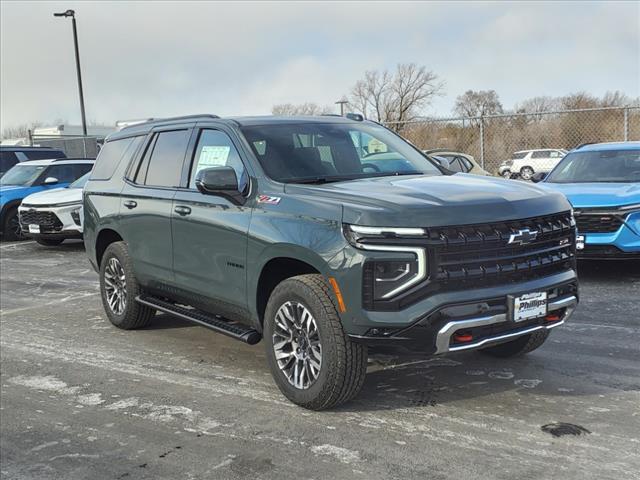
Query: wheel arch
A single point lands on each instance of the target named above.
(105, 237)
(281, 265)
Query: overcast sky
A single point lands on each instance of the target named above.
(154, 59)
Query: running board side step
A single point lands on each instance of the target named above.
(237, 331)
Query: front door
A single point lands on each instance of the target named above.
(146, 206)
(210, 232)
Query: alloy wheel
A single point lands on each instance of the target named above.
(296, 344)
(115, 286)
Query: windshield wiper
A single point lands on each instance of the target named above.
(343, 178)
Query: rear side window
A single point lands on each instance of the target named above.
(111, 155)
(7, 160)
(165, 162)
(540, 154)
(43, 154)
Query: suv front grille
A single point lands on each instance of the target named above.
(594, 221)
(480, 254)
(476, 256)
(48, 221)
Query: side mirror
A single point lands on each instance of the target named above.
(220, 181)
(443, 162)
(50, 181)
(538, 177)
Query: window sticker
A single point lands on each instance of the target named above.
(213, 156)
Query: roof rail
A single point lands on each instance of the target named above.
(355, 116)
(584, 145)
(170, 119)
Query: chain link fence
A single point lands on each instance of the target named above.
(73, 146)
(494, 139)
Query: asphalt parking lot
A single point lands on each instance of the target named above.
(81, 399)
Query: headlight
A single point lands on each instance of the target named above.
(385, 278)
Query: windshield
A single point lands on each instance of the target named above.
(22, 175)
(79, 183)
(600, 167)
(320, 152)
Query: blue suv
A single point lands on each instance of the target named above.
(602, 182)
(26, 178)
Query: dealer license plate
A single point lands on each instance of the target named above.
(34, 228)
(529, 305)
(580, 242)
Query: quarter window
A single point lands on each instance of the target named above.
(215, 149)
(111, 155)
(165, 163)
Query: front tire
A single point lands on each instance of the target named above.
(11, 226)
(506, 174)
(119, 289)
(519, 346)
(312, 360)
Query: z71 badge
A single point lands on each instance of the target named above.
(268, 199)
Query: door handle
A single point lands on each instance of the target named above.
(130, 204)
(182, 210)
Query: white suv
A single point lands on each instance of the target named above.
(527, 162)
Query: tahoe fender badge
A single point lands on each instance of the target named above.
(268, 199)
(522, 237)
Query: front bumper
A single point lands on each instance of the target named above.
(52, 221)
(483, 320)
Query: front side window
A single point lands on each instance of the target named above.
(22, 175)
(215, 149)
(80, 183)
(66, 173)
(603, 166)
(519, 155)
(165, 160)
(320, 152)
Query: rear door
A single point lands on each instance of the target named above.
(210, 232)
(146, 204)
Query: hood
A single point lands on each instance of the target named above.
(582, 195)
(54, 197)
(425, 201)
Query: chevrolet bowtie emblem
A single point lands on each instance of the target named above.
(522, 237)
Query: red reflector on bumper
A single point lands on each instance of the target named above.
(463, 337)
(552, 317)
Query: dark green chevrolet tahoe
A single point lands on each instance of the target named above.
(323, 236)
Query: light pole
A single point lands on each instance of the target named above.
(342, 103)
(72, 14)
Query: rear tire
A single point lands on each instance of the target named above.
(50, 242)
(342, 363)
(11, 226)
(119, 289)
(519, 346)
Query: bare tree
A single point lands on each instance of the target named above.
(308, 108)
(397, 97)
(478, 103)
(19, 131)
